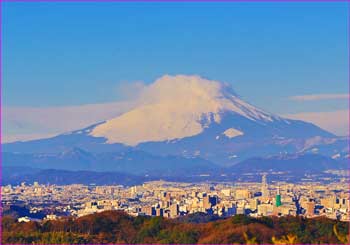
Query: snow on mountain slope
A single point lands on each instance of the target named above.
(175, 107)
(231, 133)
(178, 120)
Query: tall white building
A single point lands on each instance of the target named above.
(264, 187)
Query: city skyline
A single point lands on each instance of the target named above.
(226, 201)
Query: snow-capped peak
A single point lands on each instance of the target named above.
(175, 107)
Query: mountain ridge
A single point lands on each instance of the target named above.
(182, 120)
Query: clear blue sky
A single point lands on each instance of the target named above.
(77, 53)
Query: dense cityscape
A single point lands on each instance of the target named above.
(188, 122)
(172, 199)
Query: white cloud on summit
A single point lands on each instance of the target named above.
(27, 123)
(127, 91)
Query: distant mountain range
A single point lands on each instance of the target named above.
(130, 161)
(186, 125)
(17, 175)
(297, 164)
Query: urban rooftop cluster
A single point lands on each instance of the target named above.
(174, 199)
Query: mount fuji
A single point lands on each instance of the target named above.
(179, 121)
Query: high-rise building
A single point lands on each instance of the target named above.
(133, 190)
(253, 203)
(209, 201)
(310, 208)
(278, 197)
(174, 210)
(264, 187)
(242, 194)
(159, 212)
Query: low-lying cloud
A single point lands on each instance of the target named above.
(27, 123)
(336, 122)
(314, 97)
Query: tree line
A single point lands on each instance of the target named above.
(118, 227)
